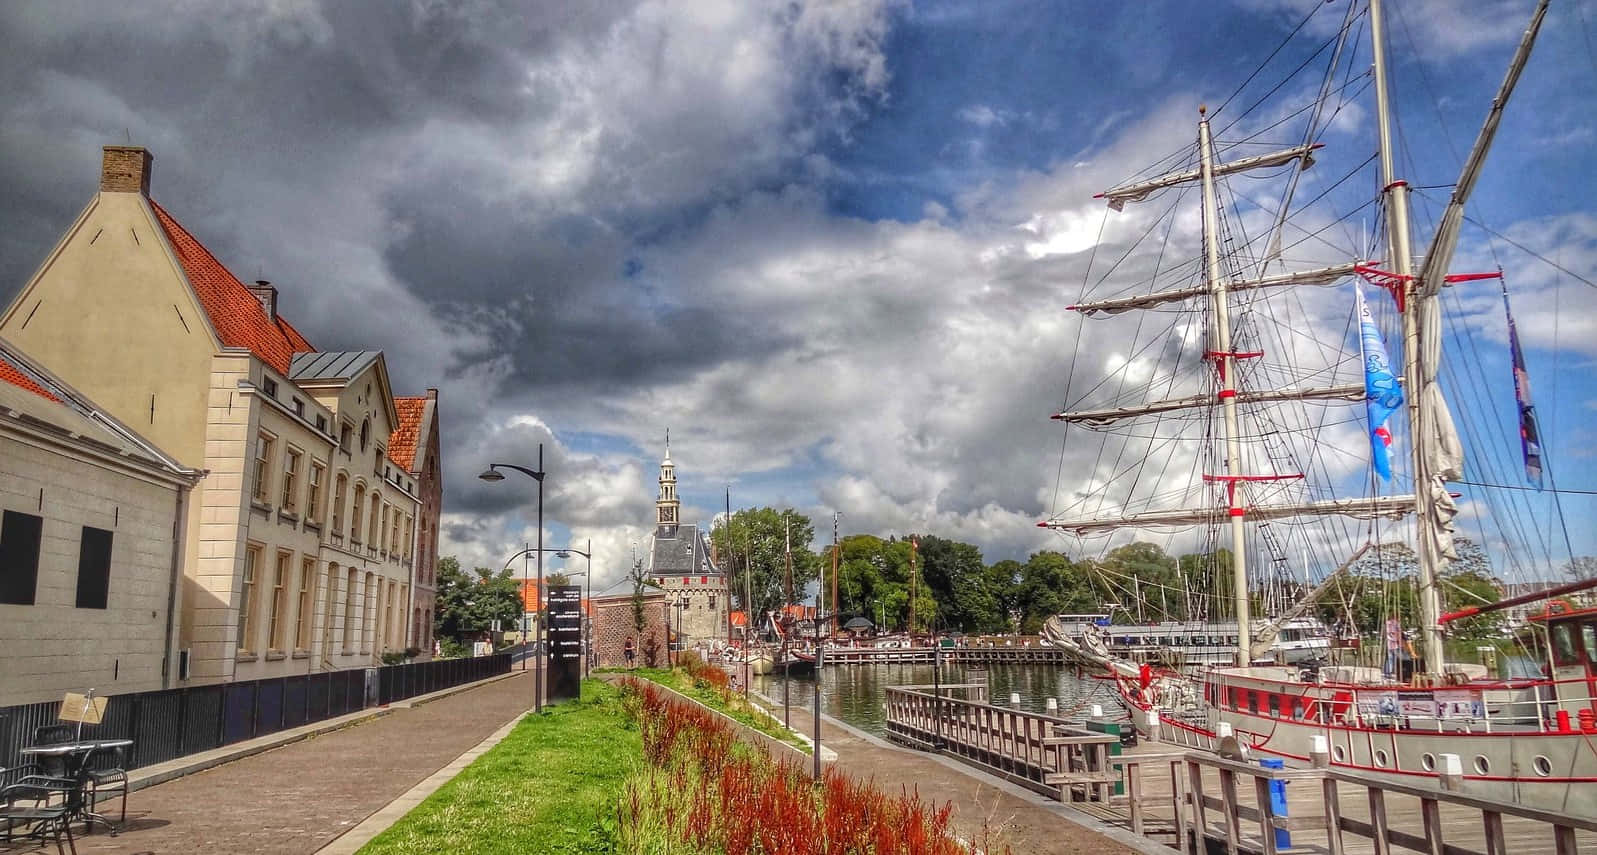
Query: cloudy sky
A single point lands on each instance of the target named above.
(829, 245)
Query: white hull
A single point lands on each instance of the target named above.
(1523, 763)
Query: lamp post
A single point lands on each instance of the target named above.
(493, 475)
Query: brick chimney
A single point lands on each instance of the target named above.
(125, 169)
(267, 294)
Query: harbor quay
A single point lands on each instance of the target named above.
(333, 792)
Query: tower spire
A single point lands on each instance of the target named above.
(667, 508)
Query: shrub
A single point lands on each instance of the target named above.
(707, 791)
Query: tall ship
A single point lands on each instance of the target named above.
(1254, 417)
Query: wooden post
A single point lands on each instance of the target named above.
(1261, 791)
(1493, 821)
(1179, 802)
(1378, 821)
(1200, 821)
(1233, 816)
(1564, 840)
(1333, 815)
(1431, 816)
(1134, 795)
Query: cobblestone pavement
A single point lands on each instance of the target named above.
(1026, 828)
(297, 798)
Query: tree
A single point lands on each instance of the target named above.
(555, 579)
(956, 579)
(1051, 584)
(754, 550)
(639, 618)
(471, 602)
(1581, 567)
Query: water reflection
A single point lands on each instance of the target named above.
(855, 693)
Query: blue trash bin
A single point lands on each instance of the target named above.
(1283, 838)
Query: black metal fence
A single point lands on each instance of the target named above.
(171, 723)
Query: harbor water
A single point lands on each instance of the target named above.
(856, 693)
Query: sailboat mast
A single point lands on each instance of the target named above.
(1226, 364)
(835, 547)
(1398, 244)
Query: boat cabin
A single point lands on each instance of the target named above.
(1571, 654)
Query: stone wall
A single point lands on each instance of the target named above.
(613, 624)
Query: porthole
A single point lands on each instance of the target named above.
(1381, 758)
(1542, 765)
(1428, 760)
(1482, 765)
(1339, 753)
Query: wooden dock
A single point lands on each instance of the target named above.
(1197, 801)
(948, 655)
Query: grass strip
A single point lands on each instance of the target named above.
(550, 787)
(730, 703)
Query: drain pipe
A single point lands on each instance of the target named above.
(179, 535)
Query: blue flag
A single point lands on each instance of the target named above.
(1382, 394)
(1529, 438)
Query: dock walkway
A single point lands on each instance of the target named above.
(1194, 800)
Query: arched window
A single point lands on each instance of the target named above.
(355, 512)
(340, 487)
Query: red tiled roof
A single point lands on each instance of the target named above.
(402, 442)
(235, 313)
(11, 374)
(529, 599)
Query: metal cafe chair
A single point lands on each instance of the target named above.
(30, 805)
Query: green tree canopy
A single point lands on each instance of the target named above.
(471, 602)
(754, 555)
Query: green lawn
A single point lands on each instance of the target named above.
(738, 709)
(550, 787)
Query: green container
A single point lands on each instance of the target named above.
(1113, 729)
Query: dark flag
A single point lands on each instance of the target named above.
(1530, 439)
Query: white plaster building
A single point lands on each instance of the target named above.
(90, 544)
(299, 545)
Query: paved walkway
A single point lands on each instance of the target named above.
(1028, 823)
(297, 798)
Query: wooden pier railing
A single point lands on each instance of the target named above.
(1198, 802)
(1044, 753)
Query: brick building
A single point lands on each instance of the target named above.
(415, 448)
(681, 563)
(614, 621)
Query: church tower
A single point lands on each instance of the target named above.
(667, 508)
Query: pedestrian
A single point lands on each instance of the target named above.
(628, 651)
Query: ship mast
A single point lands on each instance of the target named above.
(1402, 260)
(1226, 364)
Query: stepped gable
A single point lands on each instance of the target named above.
(237, 314)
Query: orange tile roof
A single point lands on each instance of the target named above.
(402, 442)
(11, 374)
(529, 599)
(235, 313)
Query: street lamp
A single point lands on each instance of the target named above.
(587, 574)
(493, 475)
